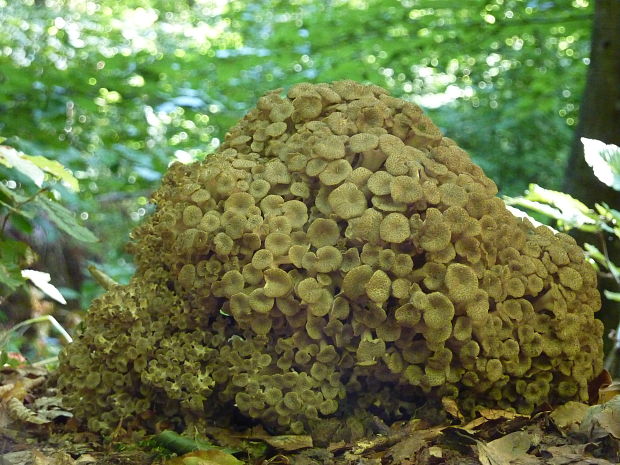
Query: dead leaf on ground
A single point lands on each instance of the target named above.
(205, 457)
(602, 420)
(54, 458)
(289, 442)
(497, 414)
(569, 416)
(602, 380)
(606, 393)
(18, 411)
(452, 408)
(285, 442)
(337, 446)
(277, 460)
(507, 450)
(50, 408)
(487, 415)
(85, 459)
(573, 454)
(407, 449)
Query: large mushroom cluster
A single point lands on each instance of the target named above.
(336, 253)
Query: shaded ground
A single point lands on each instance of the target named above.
(35, 429)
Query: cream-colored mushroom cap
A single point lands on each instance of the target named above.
(347, 201)
(395, 228)
(277, 283)
(335, 172)
(461, 282)
(323, 231)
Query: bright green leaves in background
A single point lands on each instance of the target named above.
(29, 189)
(115, 91)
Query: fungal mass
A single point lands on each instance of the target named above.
(336, 255)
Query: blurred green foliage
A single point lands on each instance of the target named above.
(117, 90)
(41, 182)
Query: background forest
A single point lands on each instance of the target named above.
(116, 91)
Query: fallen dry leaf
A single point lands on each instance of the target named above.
(452, 408)
(573, 454)
(277, 460)
(18, 411)
(602, 380)
(289, 442)
(21, 457)
(85, 459)
(569, 415)
(496, 414)
(602, 420)
(406, 449)
(606, 393)
(205, 457)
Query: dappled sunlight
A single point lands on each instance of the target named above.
(117, 91)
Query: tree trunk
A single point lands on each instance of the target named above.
(599, 118)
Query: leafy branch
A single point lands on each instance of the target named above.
(20, 204)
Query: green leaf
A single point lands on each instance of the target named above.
(11, 255)
(604, 160)
(12, 195)
(64, 219)
(14, 159)
(10, 276)
(18, 212)
(56, 169)
(182, 444)
(22, 223)
(615, 296)
(566, 209)
(596, 254)
(536, 206)
(610, 214)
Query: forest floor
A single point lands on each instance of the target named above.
(36, 430)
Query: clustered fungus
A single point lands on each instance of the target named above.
(335, 254)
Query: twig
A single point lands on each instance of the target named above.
(49, 318)
(610, 265)
(45, 361)
(20, 204)
(103, 279)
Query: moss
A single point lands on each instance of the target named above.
(335, 253)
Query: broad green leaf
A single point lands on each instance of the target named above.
(549, 211)
(64, 219)
(604, 160)
(536, 206)
(12, 251)
(12, 195)
(2, 139)
(14, 159)
(17, 211)
(42, 281)
(565, 208)
(56, 169)
(615, 296)
(22, 223)
(10, 276)
(182, 444)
